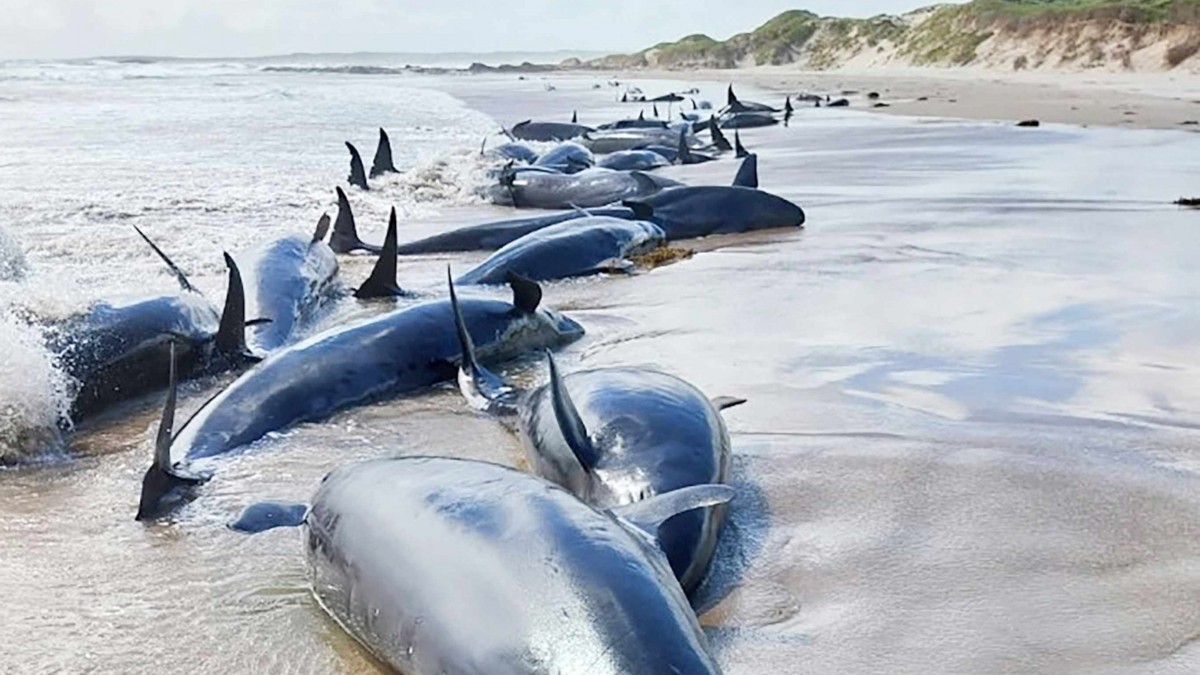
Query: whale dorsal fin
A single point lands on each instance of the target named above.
(574, 117)
(322, 229)
(231, 333)
(718, 138)
(345, 232)
(738, 147)
(265, 516)
(641, 210)
(648, 515)
(175, 271)
(162, 479)
(655, 110)
(685, 153)
(483, 389)
(527, 294)
(747, 175)
(358, 175)
(382, 283)
(569, 422)
(727, 402)
(383, 156)
(730, 97)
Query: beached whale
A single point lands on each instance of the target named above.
(439, 565)
(513, 151)
(383, 156)
(386, 356)
(632, 160)
(734, 105)
(586, 189)
(567, 158)
(287, 281)
(547, 132)
(604, 142)
(748, 120)
(117, 351)
(358, 175)
(574, 248)
(495, 235)
(686, 212)
(640, 123)
(616, 436)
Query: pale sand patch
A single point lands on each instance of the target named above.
(1088, 98)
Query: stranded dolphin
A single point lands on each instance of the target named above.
(567, 158)
(574, 248)
(546, 132)
(386, 356)
(383, 156)
(632, 160)
(438, 565)
(733, 105)
(686, 212)
(586, 189)
(492, 236)
(287, 281)
(118, 351)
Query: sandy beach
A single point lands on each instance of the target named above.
(1089, 98)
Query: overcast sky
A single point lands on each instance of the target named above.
(73, 28)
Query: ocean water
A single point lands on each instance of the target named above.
(971, 443)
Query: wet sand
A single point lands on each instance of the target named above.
(1136, 101)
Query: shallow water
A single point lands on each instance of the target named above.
(970, 442)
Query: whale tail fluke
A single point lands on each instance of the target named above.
(483, 389)
(383, 156)
(345, 232)
(747, 175)
(382, 282)
(265, 516)
(163, 486)
(175, 271)
(358, 176)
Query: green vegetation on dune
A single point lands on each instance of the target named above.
(945, 35)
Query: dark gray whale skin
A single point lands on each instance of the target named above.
(393, 354)
(546, 132)
(567, 158)
(439, 565)
(287, 281)
(748, 120)
(586, 189)
(496, 235)
(687, 212)
(651, 433)
(573, 248)
(632, 160)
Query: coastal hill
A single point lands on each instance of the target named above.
(1112, 35)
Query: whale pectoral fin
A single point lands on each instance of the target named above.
(649, 514)
(175, 271)
(482, 388)
(265, 516)
(747, 175)
(322, 229)
(570, 424)
(727, 402)
(527, 294)
(382, 282)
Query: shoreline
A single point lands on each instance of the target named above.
(1169, 100)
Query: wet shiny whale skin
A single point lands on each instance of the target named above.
(654, 433)
(495, 235)
(396, 353)
(286, 281)
(573, 248)
(586, 189)
(441, 565)
(687, 212)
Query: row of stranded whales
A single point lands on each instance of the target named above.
(439, 565)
